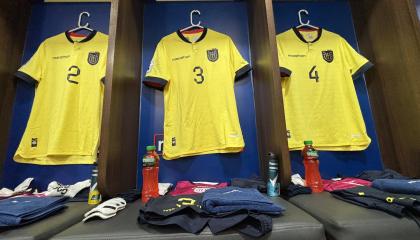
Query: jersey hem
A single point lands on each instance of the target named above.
(54, 162)
(229, 149)
(155, 82)
(344, 147)
(26, 77)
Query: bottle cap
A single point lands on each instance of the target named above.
(272, 155)
(308, 142)
(150, 148)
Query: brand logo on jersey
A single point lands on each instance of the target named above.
(61, 57)
(34, 142)
(181, 58)
(213, 55)
(93, 58)
(296, 55)
(173, 142)
(328, 55)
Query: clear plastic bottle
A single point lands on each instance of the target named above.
(311, 163)
(150, 175)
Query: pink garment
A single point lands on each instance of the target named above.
(345, 183)
(187, 187)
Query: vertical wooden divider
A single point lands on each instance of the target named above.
(14, 17)
(389, 35)
(271, 124)
(120, 119)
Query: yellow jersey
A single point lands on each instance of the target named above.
(320, 100)
(197, 72)
(64, 124)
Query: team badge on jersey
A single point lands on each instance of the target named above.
(93, 58)
(213, 55)
(328, 55)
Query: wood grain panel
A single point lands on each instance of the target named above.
(14, 17)
(389, 35)
(271, 125)
(120, 120)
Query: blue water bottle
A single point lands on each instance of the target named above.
(273, 184)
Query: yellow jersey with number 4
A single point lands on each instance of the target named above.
(196, 71)
(64, 124)
(320, 100)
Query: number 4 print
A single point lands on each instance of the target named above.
(313, 74)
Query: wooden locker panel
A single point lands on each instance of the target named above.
(268, 97)
(389, 33)
(14, 17)
(120, 120)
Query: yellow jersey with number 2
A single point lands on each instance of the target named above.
(64, 124)
(196, 72)
(320, 100)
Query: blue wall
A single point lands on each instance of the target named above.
(334, 16)
(47, 19)
(230, 18)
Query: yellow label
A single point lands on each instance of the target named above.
(94, 197)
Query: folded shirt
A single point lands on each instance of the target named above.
(398, 186)
(232, 199)
(22, 210)
(345, 183)
(293, 190)
(254, 182)
(184, 211)
(395, 204)
(371, 175)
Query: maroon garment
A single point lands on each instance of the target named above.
(345, 183)
(187, 187)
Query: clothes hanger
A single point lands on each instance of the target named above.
(193, 26)
(80, 26)
(307, 23)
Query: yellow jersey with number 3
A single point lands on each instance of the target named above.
(64, 124)
(320, 100)
(196, 71)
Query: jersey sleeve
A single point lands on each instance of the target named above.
(239, 65)
(32, 70)
(353, 61)
(285, 69)
(157, 76)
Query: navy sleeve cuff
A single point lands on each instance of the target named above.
(27, 78)
(285, 72)
(155, 82)
(362, 70)
(242, 71)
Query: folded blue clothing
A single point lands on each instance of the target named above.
(232, 199)
(10, 221)
(21, 210)
(22, 206)
(398, 186)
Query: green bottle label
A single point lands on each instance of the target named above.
(312, 153)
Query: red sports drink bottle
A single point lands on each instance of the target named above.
(311, 163)
(150, 175)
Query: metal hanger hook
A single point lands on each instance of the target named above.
(191, 17)
(300, 16)
(80, 19)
